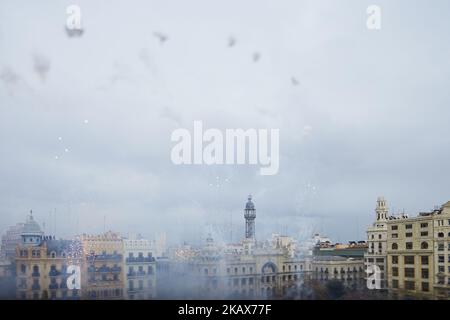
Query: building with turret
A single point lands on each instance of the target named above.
(250, 216)
(377, 242)
(415, 252)
(42, 262)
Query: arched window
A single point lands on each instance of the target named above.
(424, 245)
(394, 246)
(53, 254)
(440, 234)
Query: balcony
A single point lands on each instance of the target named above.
(116, 269)
(54, 273)
(139, 259)
(135, 274)
(103, 270)
(53, 286)
(105, 257)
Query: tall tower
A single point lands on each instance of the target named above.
(250, 215)
(381, 209)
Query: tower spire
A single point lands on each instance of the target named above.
(250, 216)
(381, 209)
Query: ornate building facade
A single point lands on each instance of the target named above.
(377, 241)
(104, 266)
(417, 254)
(41, 265)
(140, 269)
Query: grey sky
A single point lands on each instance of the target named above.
(369, 115)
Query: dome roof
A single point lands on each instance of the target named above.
(31, 226)
(249, 205)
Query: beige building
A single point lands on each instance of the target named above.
(104, 266)
(417, 253)
(350, 271)
(41, 264)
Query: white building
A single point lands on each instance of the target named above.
(140, 268)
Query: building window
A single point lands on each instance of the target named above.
(441, 246)
(441, 269)
(23, 268)
(440, 235)
(424, 234)
(424, 245)
(394, 271)
(409, 272)
(409, 234)
(408, 226)
(425, 286)
(395, 284)
(150, 270)
(35, 270)
(394, 235)
(410, 285)
(409, 245)
(409, 259)
(425, 274)
(441, 258)
(394, 227)
(424, 225)
(243, 270)
(394, 246)
(394, 259)
(424, 260)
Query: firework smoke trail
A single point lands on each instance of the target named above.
(76, 252)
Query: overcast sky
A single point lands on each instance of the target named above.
(361, 113)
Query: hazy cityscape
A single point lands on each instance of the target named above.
(291, 149)
(402, 258)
